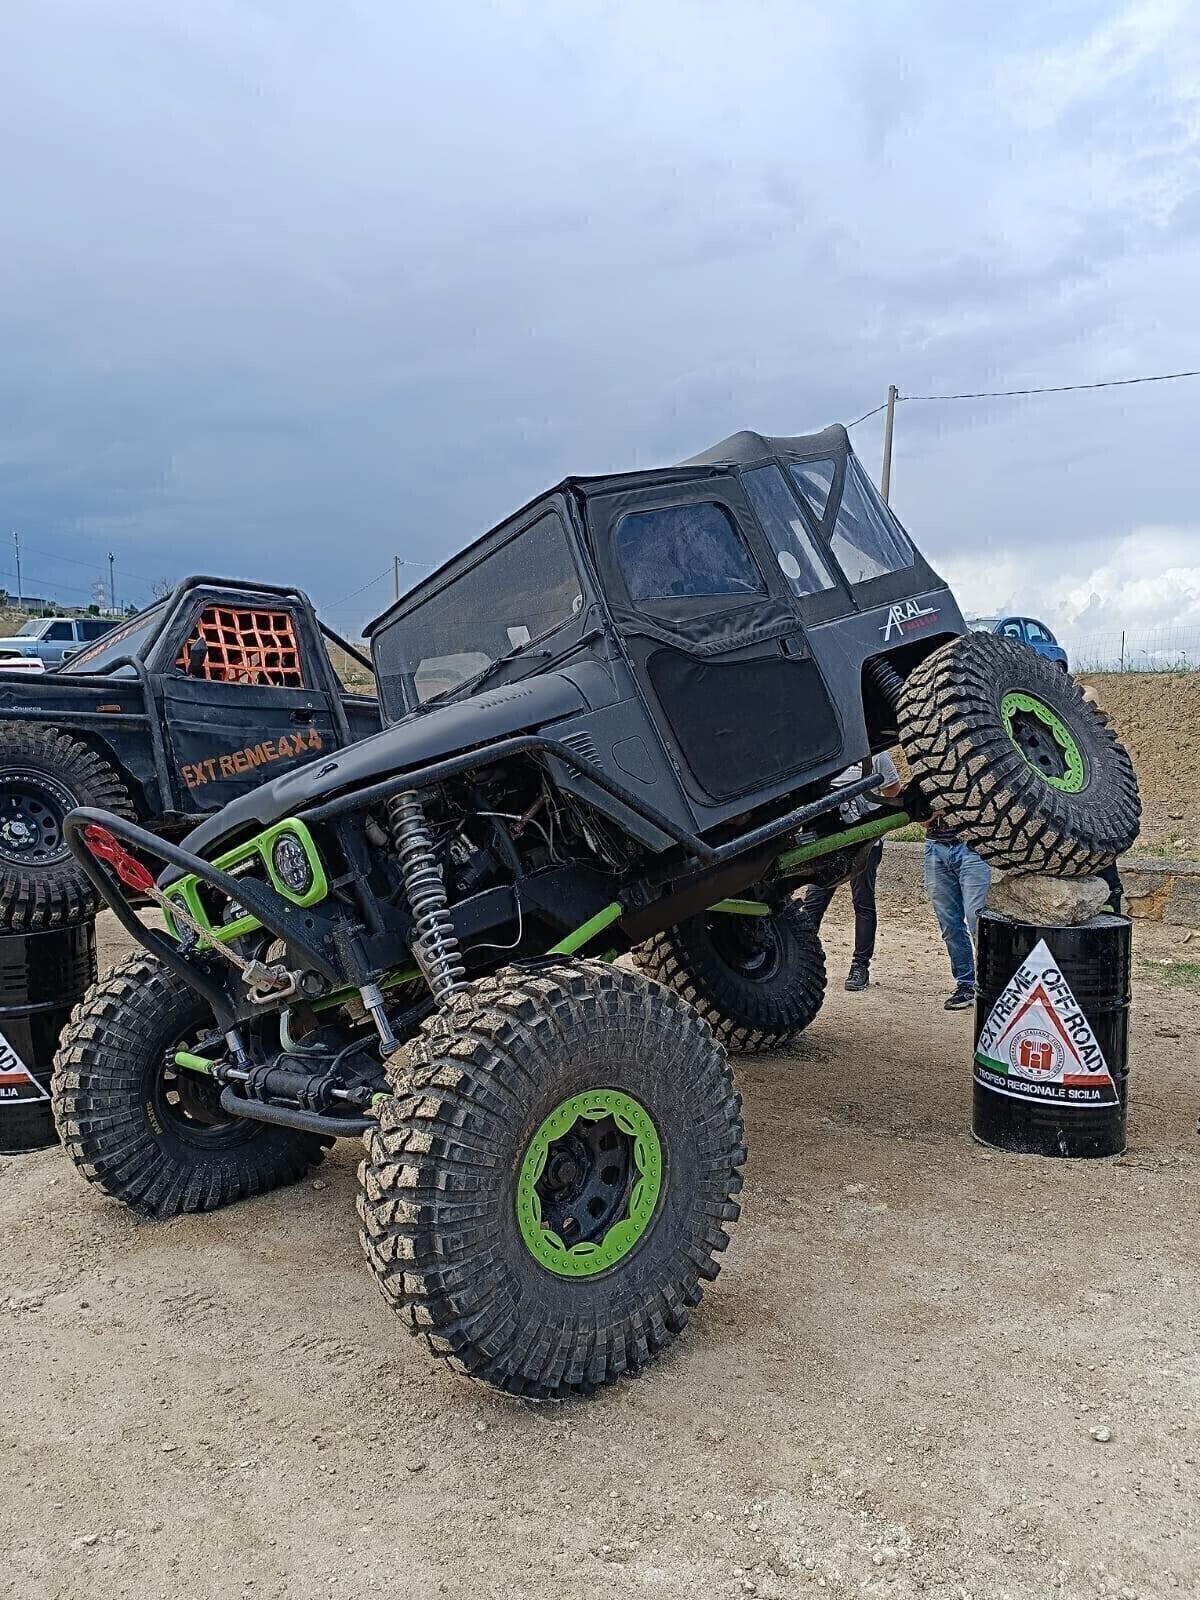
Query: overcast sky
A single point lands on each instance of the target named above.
(287, 287)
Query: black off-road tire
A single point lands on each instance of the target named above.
(53, 772)
(113, 1106)
(754, 999)
(953, 734)
(439, 1185)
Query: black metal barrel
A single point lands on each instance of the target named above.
(1052, 1036)
(42, 975)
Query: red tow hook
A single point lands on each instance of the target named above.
(106, 847)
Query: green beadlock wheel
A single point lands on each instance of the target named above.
(549, 1187)
(1021, 767)
(589, 1183)
(1044, 742)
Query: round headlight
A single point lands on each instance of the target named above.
(291, 863)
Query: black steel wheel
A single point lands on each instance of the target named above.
(43, 775)
(758, 981)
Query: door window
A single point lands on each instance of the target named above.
(244, 645)
(1036, 634)
(59, 631)
(1011, 629)
(684, 552)
(867, 540)
(778, 515)
(95, 629)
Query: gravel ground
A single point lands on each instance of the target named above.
(927, 1369)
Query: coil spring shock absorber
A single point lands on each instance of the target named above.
(883, 675)
(434, 942)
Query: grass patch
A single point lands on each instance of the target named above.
(1167, 852)
(909, 835)
(1182, 974)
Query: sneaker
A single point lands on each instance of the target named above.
(859, 976)
(962, 998)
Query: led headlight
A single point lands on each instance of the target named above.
(291, 863)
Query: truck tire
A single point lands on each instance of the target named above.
(43, 775)
(148, 1134)
(756, 981)
(551, 1182)
(1026, 772)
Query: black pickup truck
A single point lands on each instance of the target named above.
(164, 720)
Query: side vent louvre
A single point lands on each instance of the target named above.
(583, 745)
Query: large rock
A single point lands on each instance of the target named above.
(1056, 902)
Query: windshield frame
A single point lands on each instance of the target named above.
(396, 688)
(34, 628)
(134, 628)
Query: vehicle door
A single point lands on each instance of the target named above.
(87, 631)
(1040, 639)
(245, 698)
(715, 636)
(56, 643)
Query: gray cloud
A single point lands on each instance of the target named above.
(289, 288)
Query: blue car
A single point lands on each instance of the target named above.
(1025, 630)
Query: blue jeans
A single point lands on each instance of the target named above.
(957, 883)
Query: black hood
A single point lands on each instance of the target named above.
(413, 742)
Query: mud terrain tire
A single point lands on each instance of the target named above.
(1026, 772)
(537, 1100)
(756, 981)
(43, 774)
(152, 1138)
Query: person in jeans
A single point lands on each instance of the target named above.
(862, 884)
(957, 883)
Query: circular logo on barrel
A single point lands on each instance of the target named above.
(1034, 1053)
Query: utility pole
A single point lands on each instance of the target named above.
(396, 577)
(885, 485)
(20, 593)
(112, 584)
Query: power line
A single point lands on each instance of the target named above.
(1057, 388)
(370, 584)
(867, 414)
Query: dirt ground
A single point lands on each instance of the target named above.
(927, 1369)
(1156, 714)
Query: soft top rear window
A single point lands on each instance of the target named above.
(866, 538)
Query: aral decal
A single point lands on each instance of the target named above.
(1037, 1044)
(907, 617)
(16, 1080)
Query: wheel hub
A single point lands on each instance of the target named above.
(1043, 741)
(750, 945)
(32, 809)
(589, 1183)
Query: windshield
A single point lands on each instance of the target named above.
(122, 641)
(32, 629)
(512, 598)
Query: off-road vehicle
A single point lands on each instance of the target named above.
(163, 719)
(613, 726)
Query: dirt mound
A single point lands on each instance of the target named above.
(1157, 715)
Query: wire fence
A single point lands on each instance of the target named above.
(1134, 650)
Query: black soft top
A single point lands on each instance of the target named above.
(739, 449)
